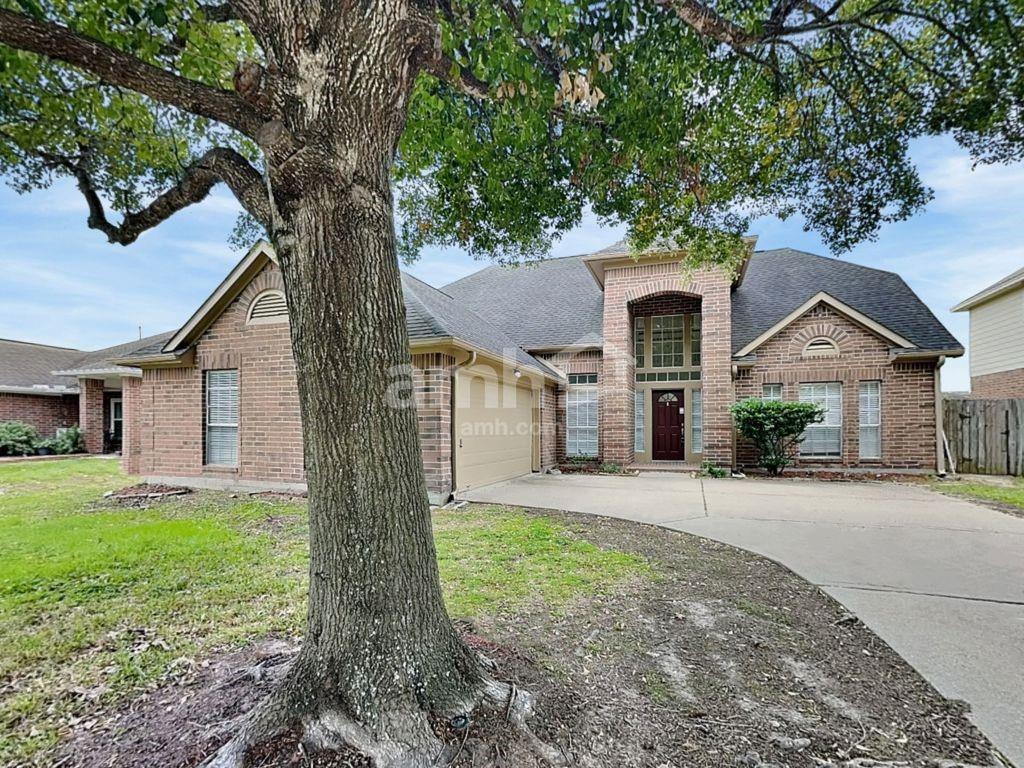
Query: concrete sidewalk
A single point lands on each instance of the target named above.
(941, 580)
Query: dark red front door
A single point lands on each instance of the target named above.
(668, 425)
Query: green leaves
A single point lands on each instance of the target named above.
(775, 428)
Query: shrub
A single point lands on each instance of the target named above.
(611, 468)
(69, 441)
(775, 428)
(710, 469)
(17, 438)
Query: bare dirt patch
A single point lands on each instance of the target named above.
(723, 659)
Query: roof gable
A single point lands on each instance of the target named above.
(779, 281)
(1011, 282)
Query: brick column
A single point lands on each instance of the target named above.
(432, 382)
(616, 425)
(90, 413)
(716, 366)
(131, 437)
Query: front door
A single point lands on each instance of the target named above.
(668, 426)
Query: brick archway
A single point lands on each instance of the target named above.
(624, 286)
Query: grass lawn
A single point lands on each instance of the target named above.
(99, 601)
(1009, 497)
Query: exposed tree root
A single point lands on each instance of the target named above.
(402, 739)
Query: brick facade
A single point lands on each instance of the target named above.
(574, 361)
(164, 409)
(908, 389)
(998, 386)
(641, 285)
(91, 413)
(47, 413)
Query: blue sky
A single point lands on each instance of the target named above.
(61, 283)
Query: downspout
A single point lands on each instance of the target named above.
(471, 360)
(940, 431)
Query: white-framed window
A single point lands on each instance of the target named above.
(268, 307)
(667, 341)
(222, 418)
(638, 341)
(581, 415)
(824, 440)
(639, 403)
(116, 415)
(695, 340)
(697, 421)
(871, 419)
(771, 392)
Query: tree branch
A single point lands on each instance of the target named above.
(218, 164)
(125, 70)
(709, 23)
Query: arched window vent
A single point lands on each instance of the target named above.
(821, 348)
(268, 307)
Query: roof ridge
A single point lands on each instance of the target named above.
(833, 259)
(499, 265)
(37, 344)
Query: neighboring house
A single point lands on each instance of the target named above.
(52, 388)
(616, 356)
(997, 338)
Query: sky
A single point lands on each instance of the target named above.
(63, 284)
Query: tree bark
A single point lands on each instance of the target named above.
(380, 652)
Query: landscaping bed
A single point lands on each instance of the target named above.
(644, 646)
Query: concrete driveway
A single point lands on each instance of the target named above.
(941, 580)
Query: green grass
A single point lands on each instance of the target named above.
(1010, 495)
(99, 601)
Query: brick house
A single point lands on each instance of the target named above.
(51, 388)
(615, 356)
(997, 340)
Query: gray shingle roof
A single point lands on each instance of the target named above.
(102, 359)
(558, 303)
(549, 303)
(23, 364)
(779, 281)
(431, 313)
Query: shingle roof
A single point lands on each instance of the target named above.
(779, 281)
(558, 303)
(431, 313)
(549, 303)
(1000, 286)
(23, 364)
(102, 359)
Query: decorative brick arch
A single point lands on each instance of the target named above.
(661, 287)
(269, 279)
(824, 330)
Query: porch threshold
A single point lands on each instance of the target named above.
(664, 466)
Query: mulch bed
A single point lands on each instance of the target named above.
(723, 659)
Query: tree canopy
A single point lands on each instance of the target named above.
(678, 117)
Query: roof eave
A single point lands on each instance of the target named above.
(222, 296)
(925, 354)
(987, 295)
(158, 360)
(113, 370)
(455, 341)
(44, 391)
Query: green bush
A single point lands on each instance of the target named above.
(775, 428)
(611, 468)
(710, 469)
(71, 441)
(17, 438)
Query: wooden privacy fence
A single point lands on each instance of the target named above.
(985, 437)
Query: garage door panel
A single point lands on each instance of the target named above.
(493, 429)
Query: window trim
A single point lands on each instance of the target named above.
(639, 421)
(582, 384)
(112, 412)
(640, 342)
(696, 420)
(826, 384)
(860, 420)
(207, 423)
(764, 395)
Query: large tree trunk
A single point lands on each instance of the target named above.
(380, 653)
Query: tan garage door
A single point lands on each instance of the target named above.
(493, 429)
